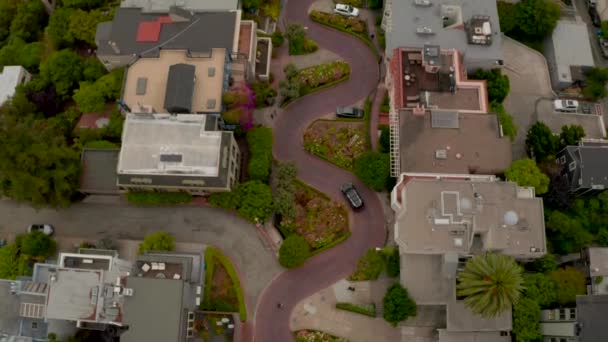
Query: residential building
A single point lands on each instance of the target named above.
(568, 53)
(176, 81)
(11, 77)
(596, 269)
(602, 8)
(469, 26)
(585, 323)
(163, 6)
(184, 152)
(439, 120)
(585, 167)
(441, 220)
(98, 176)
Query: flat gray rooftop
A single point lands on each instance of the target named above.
(598, 261)
(161, 6)
(591, 314)
(9, 310)
(73, 295)
(161, 144)
(572, 47)
(99, 171)
(421, 274)
(460, 318)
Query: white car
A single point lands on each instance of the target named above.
(46, 229)
(346, 10)
(565, 105)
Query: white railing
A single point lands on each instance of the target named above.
(393, 119)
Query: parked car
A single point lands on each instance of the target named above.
(603, 42)
(346, 10)
(352, 195)
(47, 229)
(350, 112)
(595, 17)
(562, 105)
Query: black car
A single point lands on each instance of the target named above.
(595, 17)
(352, 195)
(349, 112)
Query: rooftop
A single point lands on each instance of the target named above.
(154, 311)
(134, 32)
(460, 318)
(470, 26)
(467, 214)
(423, 279)
(470, 336)
(10, 78)
(160, 6)
(592, 124)
(452, 142)
(176, 81)
(75, 295)
(434, 78)
(571, 47)
(99, 171)
(187, 265)
(9, 309)
(591, 312)
(592, 166)
(598, 261)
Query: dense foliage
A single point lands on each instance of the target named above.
(151, 197)
(571, 135)
(369, 266)
(525, 173)
(541, 143)
(506, 120)
(298, 43)
(398, 306)
(159, 241)
(566, 233)
(595, 83)
(260, 148)
(18, 52)
(385, 139)
(294, 251)
(17, 258)
(498, 85)
(252, 200)
(373, 168)
(528, 19)
(63, 69)
(285, 199)
(490, 284)
(569, 282)
(93, 96)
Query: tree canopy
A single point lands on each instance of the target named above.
(260, 146)
(29, 21)
(525, 173)
(18, 52)
(541, 142)
(570, 282)
(92, 97)
(566, 233)
(252, 200)
(537, 18)
(398, 306)
(571, 135)
(526, 316)
(490, 283)
(159, 241)
(63, 69)
(293, 251)
(37, 244)
(498, 85)
(373, 168)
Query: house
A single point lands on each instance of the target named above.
(184, 152)
(469, 26)
(568, 53)
(176, 81)
(135, 32)
(439, 120)
(11, 77)
(596, 269)
(163, 6)
(585, 323)
(585, 167)
(98, 176)
(443, 219)
(602, 8)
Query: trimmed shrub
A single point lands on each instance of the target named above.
(160, 241)
(294, 251)
(158, 198)
(363, 309)
(260, 146)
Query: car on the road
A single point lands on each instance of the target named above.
(352, 195)
(349, 112)
(562, 105)
(346, 10)
(46, 229)
(595, 17)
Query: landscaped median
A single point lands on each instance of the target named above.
(338, 141)
(353, 26)
(363, 309)
(302, 82)
(223, 291)
(316, 336)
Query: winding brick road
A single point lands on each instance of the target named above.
(272, 323)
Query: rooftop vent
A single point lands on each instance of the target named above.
(171, 157)
(511, 218)
(458, 242)
(441, 154)
(424, 30)
(423, 3)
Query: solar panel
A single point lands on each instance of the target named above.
(444, 119)
(171, 158)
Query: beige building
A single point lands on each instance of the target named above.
(176, 81)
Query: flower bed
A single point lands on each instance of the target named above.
(319, 75)
(339, 142)
(350, 25)
(316, 336)
(223, 290)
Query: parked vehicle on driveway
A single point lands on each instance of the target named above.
(350, 112)
(346, 10)
(595, 17)
(569, 106)
(603, 42)
(47, 229)
(352, 195)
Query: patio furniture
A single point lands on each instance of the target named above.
(145, 267)
(161, 266)
(176, 276)
(160, 276)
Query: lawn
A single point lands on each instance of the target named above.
(316, 336)
(339, 142)
(321, 221)
(223, 290)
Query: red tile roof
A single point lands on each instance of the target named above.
(149, 31)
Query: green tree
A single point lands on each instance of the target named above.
(507, 17)
(506, 120)
(373, 168)
(490, 283)
(159, 241)
(604, 29)
(83, 25)
(571, 135)
(277, 38)
(9, 263)
(285, 193)
(293, 251)
(92, 69)
(296, 35)
(36, 165)
(38, 245)
(542, 288)
(570, 282)
(541, 142)
(8, 9)
(59, 28)
(537, 18)
(385, 139)
(18, 52)
(255, 200)
(566, 234)
(251, 5)
(393, 267)
(526, 317)
(89, 98)
(82, 4)
(260, 146)
(544, 264)
(398, 306)
(525, 173)
(29, 21)
(63, 69)
(498, 85)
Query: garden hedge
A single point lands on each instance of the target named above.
(211, 253)
(294, 251)
(260, 147)
(363, 309)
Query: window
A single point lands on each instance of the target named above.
(34, 325)
(572, 166)
(562, 314)
(572, 313)
(142, 83)
(211, 72)
(562, 160)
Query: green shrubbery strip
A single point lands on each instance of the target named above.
(211, 253)
(158, 198)
(346, 27)
(363, 309)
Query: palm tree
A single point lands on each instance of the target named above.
(490, 283)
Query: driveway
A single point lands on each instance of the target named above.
(367, 226)
(236, 237)
(530, 81)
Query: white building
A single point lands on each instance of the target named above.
(10, 78)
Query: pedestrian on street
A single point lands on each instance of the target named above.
(279, 305)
